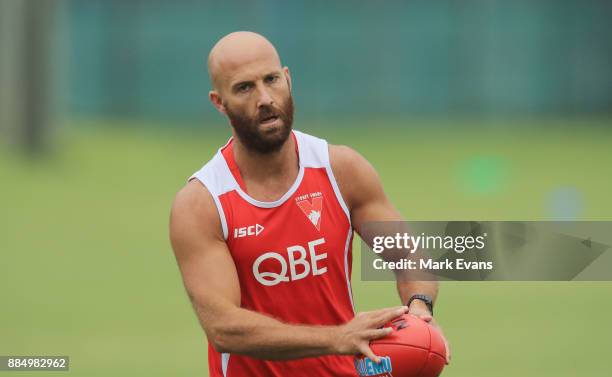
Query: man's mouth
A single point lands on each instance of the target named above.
(268, 119)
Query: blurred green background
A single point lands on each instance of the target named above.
(473, 110)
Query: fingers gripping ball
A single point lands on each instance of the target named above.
(412, 349)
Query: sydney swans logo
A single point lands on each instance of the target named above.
(313, 209)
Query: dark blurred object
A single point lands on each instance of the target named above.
(25, 77)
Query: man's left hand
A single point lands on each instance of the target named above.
(420, 310)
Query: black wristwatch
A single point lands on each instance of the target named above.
(426, 299)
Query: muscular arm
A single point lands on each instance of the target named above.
(362, 190)
(211, 281)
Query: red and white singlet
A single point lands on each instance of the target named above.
(293, 255)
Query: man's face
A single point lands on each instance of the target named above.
(259, 105)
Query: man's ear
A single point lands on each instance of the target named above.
(287, 76)
(217, 102)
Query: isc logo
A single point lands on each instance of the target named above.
(296, 256)
(252, 230)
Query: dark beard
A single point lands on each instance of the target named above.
(247, 128)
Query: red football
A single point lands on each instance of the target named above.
(412, 349)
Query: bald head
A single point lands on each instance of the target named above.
(237, 52)
(252, 89)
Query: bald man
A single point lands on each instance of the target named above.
(263, 232)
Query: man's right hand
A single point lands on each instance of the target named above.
(354, 337)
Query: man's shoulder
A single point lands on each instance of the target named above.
(343, 155)
(193, 195)
(347, 161)
(194, 206)
(354, 174)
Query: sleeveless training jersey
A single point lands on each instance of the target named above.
(293, 256)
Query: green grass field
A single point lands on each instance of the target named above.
(87, 270)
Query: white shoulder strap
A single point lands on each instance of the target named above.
(218, 179)
(314, 153)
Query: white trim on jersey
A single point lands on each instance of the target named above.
(306, 157)
(218, 179)
(332, 180)
(313, 153)
(224, 363)
(276, 203)
(346, 267)
(222, 217)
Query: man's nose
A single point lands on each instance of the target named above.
(264, 98)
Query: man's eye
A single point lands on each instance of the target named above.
(271, 79)
(243, 88)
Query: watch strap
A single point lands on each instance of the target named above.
(426, 299)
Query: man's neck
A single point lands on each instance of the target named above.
(260, 168)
